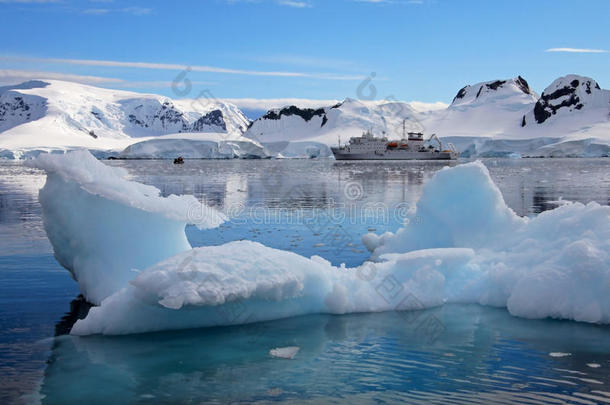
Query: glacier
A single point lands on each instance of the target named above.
(196, 146)
(125, 245)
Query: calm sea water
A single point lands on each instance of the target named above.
(454, 354)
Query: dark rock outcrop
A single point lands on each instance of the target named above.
(17, 109)
(523, 85)
(213, 118)
(306, 113)
(495, 85)
(460, 94)
(548, 105)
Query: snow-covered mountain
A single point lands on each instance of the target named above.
(54, 115)
(570, 100)
(492, 118)
(485, 109)
(325, 125)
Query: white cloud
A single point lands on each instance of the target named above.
(420, 106)
(391, 1)
(576, 50)
(309, 61)
(96, 11)
(137, 11)
(295, 4)
(13, 76)
(269, 103)
(194, 68)
(29, 1)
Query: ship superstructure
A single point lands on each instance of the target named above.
(412, 146)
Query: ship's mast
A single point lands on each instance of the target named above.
(403, 128)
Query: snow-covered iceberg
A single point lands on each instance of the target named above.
(103, 226)
(196, 146)
(556, 264)
(462, 245)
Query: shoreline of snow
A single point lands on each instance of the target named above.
(207, 148)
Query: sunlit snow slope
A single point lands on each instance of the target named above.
(57, 115)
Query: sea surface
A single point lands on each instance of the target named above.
(453, 354)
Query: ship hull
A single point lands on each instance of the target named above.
(392, 155)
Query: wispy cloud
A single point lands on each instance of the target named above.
(576, 50)
(390, 1)
(269, 103)
(137, 11)
(295, 4)
(309, 61)
(15, 76)
(29, 1)
(194, 68)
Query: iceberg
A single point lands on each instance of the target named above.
(126, 247)
(556, 264)
(284, 352)
(196, 146)
(102, 227)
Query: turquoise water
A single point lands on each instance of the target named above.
(453, 354)
(457, 352)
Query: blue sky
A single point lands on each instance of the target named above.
(421, 50)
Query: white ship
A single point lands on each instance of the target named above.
(412, 146)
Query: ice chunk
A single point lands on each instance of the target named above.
(196, 146)
(554, 265)
(103, 226)
(460, 207)
(285, 352)
(239, 282)
(244, 282)
(466, 246)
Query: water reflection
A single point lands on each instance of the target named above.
(479, 351)
(321, 183)
(79, 308)
(543, 200)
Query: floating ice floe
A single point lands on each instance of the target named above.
(103, 227)
(285, 352)
(196, 146)
(467, 246)
(556, 264)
